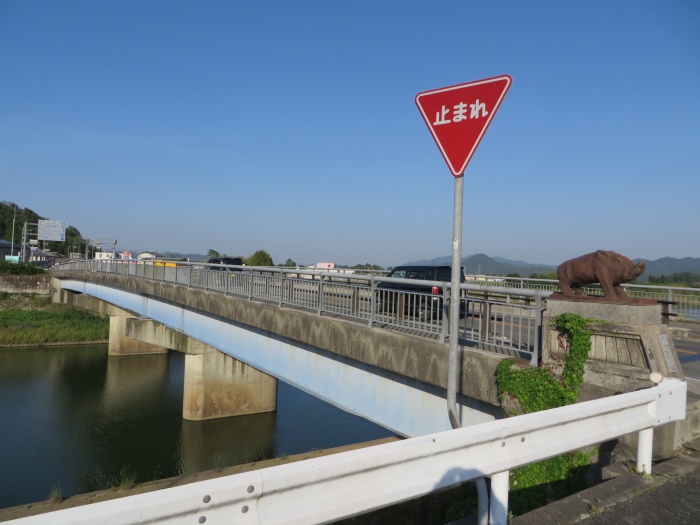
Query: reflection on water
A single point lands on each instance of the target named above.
(74, 418)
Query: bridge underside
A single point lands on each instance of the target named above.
(371, 388)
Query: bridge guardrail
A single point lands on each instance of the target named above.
(683, 303)
(330, 488)
(492, 318)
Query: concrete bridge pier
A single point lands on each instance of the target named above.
(216, 384)
(121, 344)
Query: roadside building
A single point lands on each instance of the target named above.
(5, 248)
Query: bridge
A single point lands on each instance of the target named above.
(325, 335)
(318, 333)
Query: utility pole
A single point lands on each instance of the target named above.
(24, 241)
(14, 216)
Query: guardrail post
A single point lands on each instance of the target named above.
(444, 331)
(485, 316)
(537, 343)
(281, 298)
(320, 294)
(373, 301)
(645, 443)
(498, 506)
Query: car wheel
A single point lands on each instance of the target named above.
(420, 314)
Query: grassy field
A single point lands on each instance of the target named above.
(28, 319)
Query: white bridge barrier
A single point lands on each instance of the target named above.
(333, 487)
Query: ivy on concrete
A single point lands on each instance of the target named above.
(527, 390)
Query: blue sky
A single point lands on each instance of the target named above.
(291, 126)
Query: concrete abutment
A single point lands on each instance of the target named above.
(628, 344)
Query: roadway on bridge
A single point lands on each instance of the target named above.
(689, 356)
(686, 339)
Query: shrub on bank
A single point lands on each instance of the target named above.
(20, 268)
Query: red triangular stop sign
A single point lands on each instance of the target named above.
(458, 116)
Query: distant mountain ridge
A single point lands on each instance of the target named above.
(669, 265)
(483, 264)
(480, 263)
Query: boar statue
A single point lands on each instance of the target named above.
(604, 267)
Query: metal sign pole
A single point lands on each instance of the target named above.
(453, 366)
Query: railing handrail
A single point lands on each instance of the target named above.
(365, 300)
(323, 274)
(554, 283)
(344, 273)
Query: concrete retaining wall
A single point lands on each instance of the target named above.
(38, 284)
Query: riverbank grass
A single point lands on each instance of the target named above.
(46, 323)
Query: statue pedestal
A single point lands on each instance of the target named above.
(627, 344)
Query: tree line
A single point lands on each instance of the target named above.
(11, 213)
(683, 278)
(263, 258)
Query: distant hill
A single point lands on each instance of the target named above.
(668, 266)
(483, 264)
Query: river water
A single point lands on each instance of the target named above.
(76, 420)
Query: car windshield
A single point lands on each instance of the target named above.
(399, 274)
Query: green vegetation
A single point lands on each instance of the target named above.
(11, 213)
(528, 390)
(126, 479)
(366, 266)
(462, 508)
(259, 258)
(20, 268)
(55, 495)
(676, 279)
(46, 323)
(549, 275)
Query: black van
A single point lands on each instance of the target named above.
(419, 300)
(233, 261)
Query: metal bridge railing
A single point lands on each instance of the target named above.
(496, 319)
(499, 314)
(683, 302)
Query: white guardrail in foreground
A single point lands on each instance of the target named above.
(329, 488)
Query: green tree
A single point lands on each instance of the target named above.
(290, 264)
(260, 258)
(20, 268)
(10, 212)
(367, 266)
(213, 253)
(550, 275)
